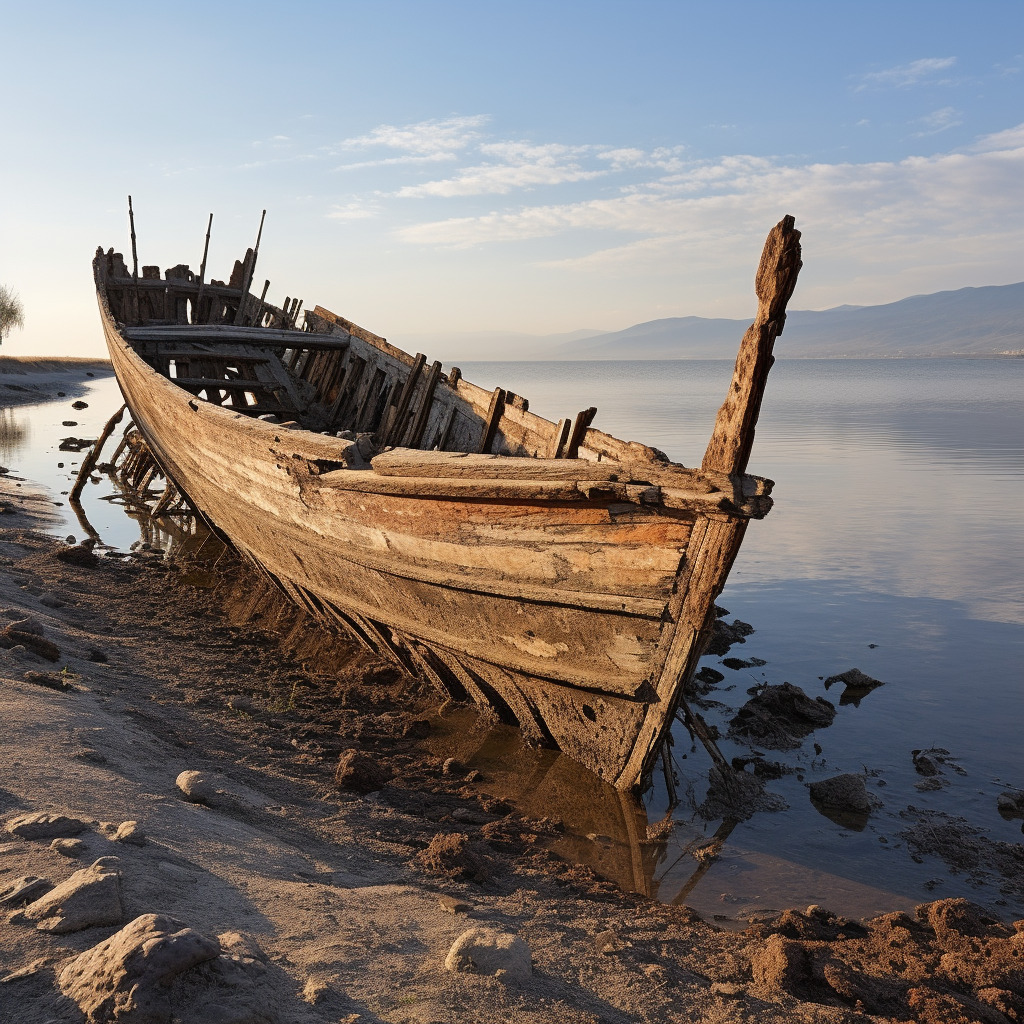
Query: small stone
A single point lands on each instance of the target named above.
(129, 832)
(68, 847)
(451, 767)
(454, 906)
(606, 941)
(43, 825)
(23, 890)
(79, 405)
(196, 787)
(488, 951)
(843, 793)
(88, 898)
(126, 976)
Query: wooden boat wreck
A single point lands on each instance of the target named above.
(550, 571)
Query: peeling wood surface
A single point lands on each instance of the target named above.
(560, 575)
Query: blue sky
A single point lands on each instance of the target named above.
(436, 170)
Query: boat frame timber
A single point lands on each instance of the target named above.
(549, 571)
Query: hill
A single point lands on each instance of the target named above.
(969, 321)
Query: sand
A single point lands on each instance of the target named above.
(306, 900)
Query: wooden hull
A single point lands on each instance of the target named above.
(573, 600)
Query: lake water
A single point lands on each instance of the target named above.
(896, 546)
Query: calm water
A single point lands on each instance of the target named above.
(896, 546)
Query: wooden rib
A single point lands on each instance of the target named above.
(559, 439)
(497, 407)
(579, 428)
(419, 423)
(394, 423)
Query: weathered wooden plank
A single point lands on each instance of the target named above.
(733, 437)
(419, 424)
(494, 414)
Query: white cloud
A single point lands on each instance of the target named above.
(938, 121)
(906, 74)
(425, 138)
(879, 218)
(519, 165)
(353, 211)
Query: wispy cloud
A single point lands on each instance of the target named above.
(355, 210)
(421, 142)
(904, 75)
(516, 165)
(938, 121)
(885, 213)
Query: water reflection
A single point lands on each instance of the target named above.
(13, 433)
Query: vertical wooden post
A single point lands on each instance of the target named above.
(135, 260)
(202, 274)
(733, 437)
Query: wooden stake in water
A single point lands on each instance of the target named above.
(202, 274)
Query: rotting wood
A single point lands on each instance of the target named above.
(196, 315)
(579, 428)
(733, 437)
(561, 575)
(92, 458)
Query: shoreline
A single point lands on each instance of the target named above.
(344, 900)
(26, 380)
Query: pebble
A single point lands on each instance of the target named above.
(43, 825)
(126, 976)
(488, 951)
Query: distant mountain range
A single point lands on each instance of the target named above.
(969, 321)
(985, 321)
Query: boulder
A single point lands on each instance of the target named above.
(88, 898)
(197, 788)
(126, 977)
(488, 951)
(847, 793)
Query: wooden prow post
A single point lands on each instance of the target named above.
(729, 448)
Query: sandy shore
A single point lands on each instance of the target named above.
(26, 379)
(289, 890)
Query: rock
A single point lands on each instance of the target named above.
(126, 977)
(23, 890)
(452, 767)
(488, 951)
(79, 405)
(90, 897)
(842, 793)
(454, 906)
(51, 601)
(43, 825)
(196, 787)
(857, 685)
(51, 680)
(129, 832)
(781, 716)
(1010, 803)
(68, 847)
(78, 554)
(359, 772)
